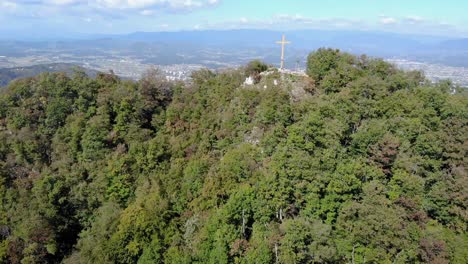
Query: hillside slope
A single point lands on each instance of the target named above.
(359, 162)
(9, 74)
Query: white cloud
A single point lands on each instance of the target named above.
(147, 12)
(65, 2)
(300, 20)
(388, 20)
(122, 4)
(296, 18)
(139, 4)
(286, 22)
(414, 19)
(8, 5)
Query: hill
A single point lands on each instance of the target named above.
(9, 74)
(358, 162)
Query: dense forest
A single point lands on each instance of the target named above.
(358, 162)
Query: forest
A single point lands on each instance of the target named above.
(357, 162)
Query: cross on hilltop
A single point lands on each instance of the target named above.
(283, 42)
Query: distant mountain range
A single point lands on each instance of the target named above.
(301, 38)
(456, 44)
(431, 49)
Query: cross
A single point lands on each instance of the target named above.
(283, 42)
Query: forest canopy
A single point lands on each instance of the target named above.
(358, 162)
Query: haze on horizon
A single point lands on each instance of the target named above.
(42, 19)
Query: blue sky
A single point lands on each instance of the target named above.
(67, 17)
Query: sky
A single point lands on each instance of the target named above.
(86, 17)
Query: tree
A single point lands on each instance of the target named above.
(321, 62)
(254, 68)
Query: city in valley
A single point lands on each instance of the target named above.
(177, 54)
(435, 72)
(133, 68)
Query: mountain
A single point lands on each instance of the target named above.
(455, 44)
(356, 161)
(349, 40)
(423, 48)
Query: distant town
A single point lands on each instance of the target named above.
(435, 72)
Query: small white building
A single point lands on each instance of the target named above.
(249, 81)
